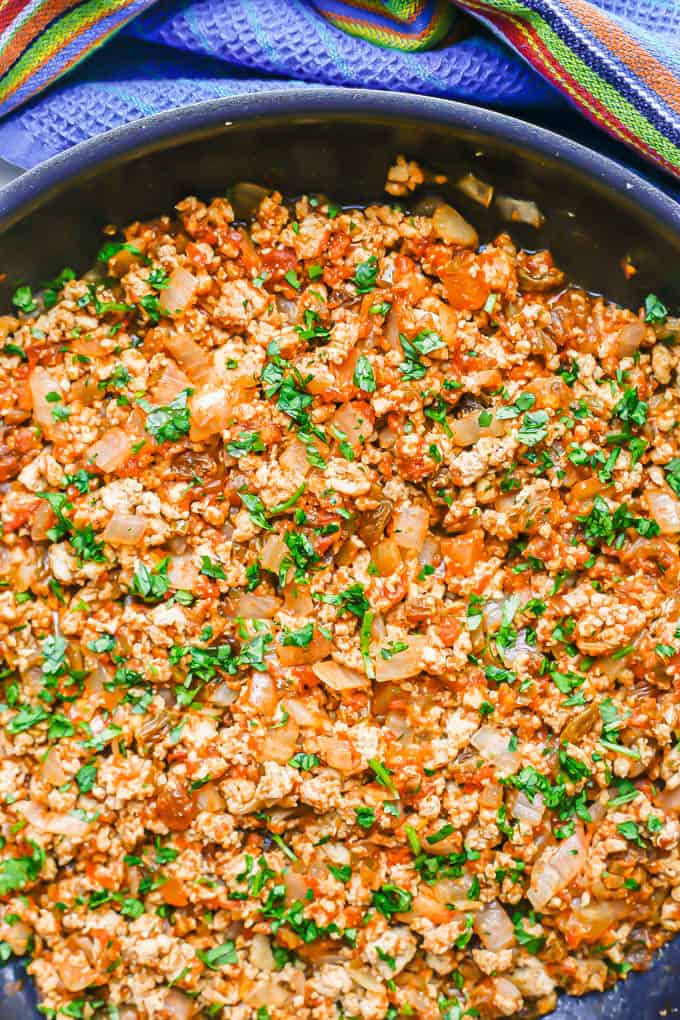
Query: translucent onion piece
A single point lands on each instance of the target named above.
(191, 358)
(170, 384)
(403, 664)
(179, 292)
(52, 821)
(492, 744)
(183, 573)
(210, 409)
(112, 450)
(518, 210)
(125, 529)
(256, 607)
(222, 695)
(208, 798)
(292, 655)
(261, 955)
(494, 927)
(410, 524)
(280, 743)
(337, 677)
(273, 553)
(177, 1005)
(337, 753)
(664, 507)
(476, 189)
(386, 557)
(353, 420)
(261, 693)
(598, 916)
(294, 458)
(629, 339)
(556, 868)
(51, 769)
(452, 228)
(529, 811)
(41, 383)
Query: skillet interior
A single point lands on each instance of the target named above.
(344, 153)
(340, 142)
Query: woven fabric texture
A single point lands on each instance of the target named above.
(615, 61)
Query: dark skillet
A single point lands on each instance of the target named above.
(340, 142)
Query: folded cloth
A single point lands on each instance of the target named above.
(617, 62)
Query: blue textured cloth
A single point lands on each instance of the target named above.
(187, 50)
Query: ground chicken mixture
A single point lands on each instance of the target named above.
(340, 623)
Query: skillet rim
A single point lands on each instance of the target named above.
(173, 127)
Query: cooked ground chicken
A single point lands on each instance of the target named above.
(340, 622)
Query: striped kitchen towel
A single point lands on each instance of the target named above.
(615, 61)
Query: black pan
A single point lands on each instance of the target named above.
(599, 217)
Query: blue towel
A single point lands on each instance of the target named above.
(182, 51)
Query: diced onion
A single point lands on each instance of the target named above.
(556, 868)
(366, 979)
(170, 384)
(465, 431)
(178, 1005)
(293, 655)
(493, 745)
(74, 964)
(51, 769)
(208, 798)
(386, 557)
(507, 996)
(280, 743)
(256, 607)
(41, 383)
(261, 693)
(261, 955)
(337, 677)
(404, 664)
(125, 529)
(296, 884)
(111, 451)
(529, 811)
(179, 292)
(273, 553)
(86, 391)
(183, 573)
(210, 412)
(518, 210)
(424, 905)
(298, 600)
(41, 522)
(494, 927)
(392, 328)
(191, 358)
(598, 916)
(294, 458)
(337, 753)
(452, 228)
(53, 821)
(410, 524)
(476, 189)
(629, 339)
(664, 507)
(669, 800)
(222, 695)
(354, 419)
(303, 714)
